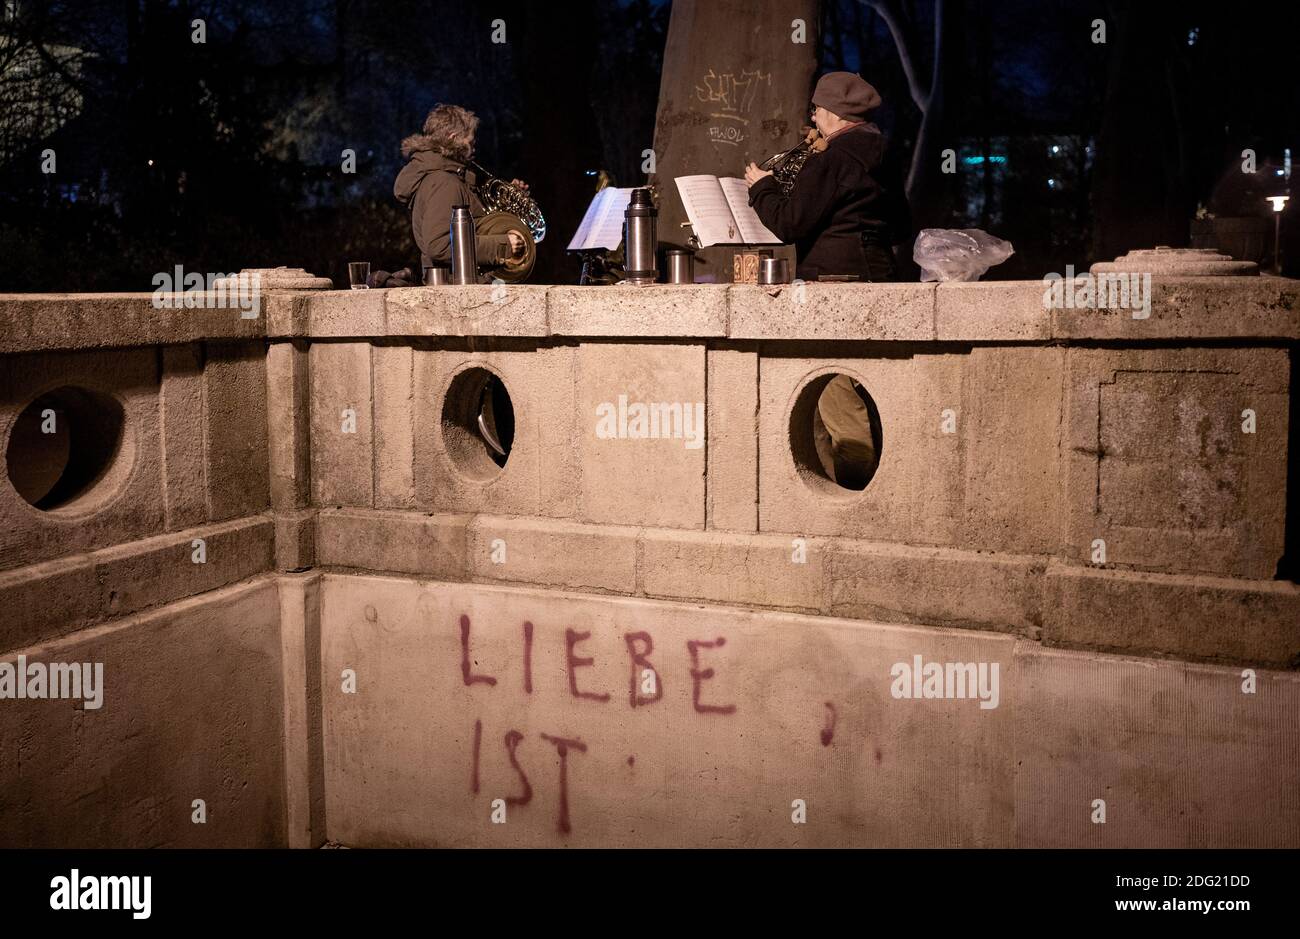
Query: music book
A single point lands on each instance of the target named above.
(602, 225)
(720, 213)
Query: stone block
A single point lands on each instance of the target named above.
(933, 586)
(554, 554)
(288, 407)
(916, 493)
(394, 426)
(406, 542)
(1005, 311)
(1010, 421)
(453, 468)
(181, 408)
(474, 310)
(678, 310)
(1159, 467)
(732, 409)
(342, 424)
(147, 573)
(748, 569)
(1186, 616)
(125, 500)
(235, 409)
(295, 539)
(642, 434)
(832, 311)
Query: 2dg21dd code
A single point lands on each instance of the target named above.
(1186, 880)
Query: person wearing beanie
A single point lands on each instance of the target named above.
(840, 217)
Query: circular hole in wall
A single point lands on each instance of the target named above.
(478, 423)
(835, 435)
(65, 447)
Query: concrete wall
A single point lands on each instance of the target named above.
(764, 710)
(317, 438)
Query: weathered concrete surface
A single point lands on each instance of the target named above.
(1192, 617)
(236, 446)
(451, 471)
(823, 311)
(732, 412)
(473, 310)
(1013, 438)
(392, 541)
(185, 469)
(934, 586)
(38, 322)
(628, 480)
(399, 753)
(126, 503)
(559, 554)
(1195, 308)
(44, 601)
(1162, 742)
(342, 424)
(304, 766)
(1181, 756)
(916, 493)
(684, 310)
(1160, 466)
(191, 709)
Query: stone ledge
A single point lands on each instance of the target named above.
(1037, 598)
(888, 312)
(402, 542)
(50, 322)
(1193, 617)
(1191, 308)
(45, 601)
(676, 310)
(557, 554)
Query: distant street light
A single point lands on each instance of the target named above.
(1279, 203)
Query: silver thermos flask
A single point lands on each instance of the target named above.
(639, 238)
(464, 257)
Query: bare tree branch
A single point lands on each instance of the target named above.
(896, 20)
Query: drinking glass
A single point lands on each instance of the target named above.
(359, 274)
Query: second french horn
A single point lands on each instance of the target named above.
(785, 166)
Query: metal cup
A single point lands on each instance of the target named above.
(436, 276)
(774, 271)
(681, 266)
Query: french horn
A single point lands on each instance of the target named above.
(509, 208)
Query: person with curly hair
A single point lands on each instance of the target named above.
(436, 177)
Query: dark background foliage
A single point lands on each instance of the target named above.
(227, 154)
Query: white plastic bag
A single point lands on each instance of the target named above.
(958, 254)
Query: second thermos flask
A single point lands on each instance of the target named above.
(639, 239)
(464, 256)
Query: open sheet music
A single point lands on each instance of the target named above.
(602, 225)
(719, 211)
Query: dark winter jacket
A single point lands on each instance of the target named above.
(836, 198)
(429, 185)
